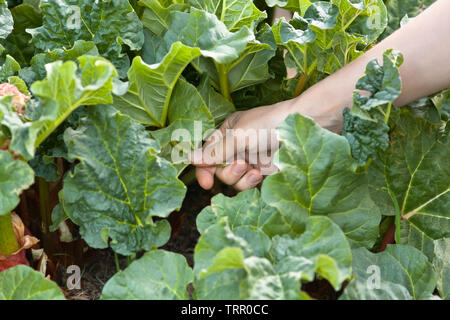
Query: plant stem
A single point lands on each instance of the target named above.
(116, 259)
(8, 242)
(44, 203)
(223, 79)
(388, 113)
(301, 84)
(398, 217)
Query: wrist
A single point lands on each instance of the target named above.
(322, 105)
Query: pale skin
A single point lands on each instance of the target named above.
(425, 44)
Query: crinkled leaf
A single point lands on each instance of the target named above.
(205, 31)
(415, 170)
(120, 184)
(15, 176)
(398, 265)
(245, 209)
(79, 48)
(326, 36)
(23, 283)
(318, 177)
(65, 88)
(235, 14)
(239, 259)
(366, 125)
(365, 136)
(109, 24)
(158, 275)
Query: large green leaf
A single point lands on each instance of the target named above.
(15, 176)
(414, 171)
(65, 88)
(441, 264)
(398, 265)
(318, 177)
(205, 31)
(245, 209)
(23, 283)
(151, 85)
(325, 247)
(109, 24)
(366, 125)
(120, 184)
(233, 13)
(246, 263)
(158, 275)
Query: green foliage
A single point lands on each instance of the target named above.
(415, 170)
(366, 126)
(318, 177)
(120, 184)
(110, 143)
(23, 283)
(403, 273)
(326, 36)
(109, 24)
(239, 256)
(15, 176)
(158, 275)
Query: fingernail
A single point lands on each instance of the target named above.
(239, 168)
(255, 179)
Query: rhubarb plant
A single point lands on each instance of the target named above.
(94, 95)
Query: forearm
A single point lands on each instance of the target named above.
(425, 44)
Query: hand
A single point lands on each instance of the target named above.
(240, 152)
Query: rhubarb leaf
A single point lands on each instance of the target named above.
(120, 184)
(109, 24)
(318, 177)
(415, 170)
(158, 275)
(23, 283)
(15, 176)
(398, 265)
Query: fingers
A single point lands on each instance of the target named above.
(233, 173)
(205, 177)
(250, 180)
(238, 175)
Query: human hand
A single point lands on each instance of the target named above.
(240, 152)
